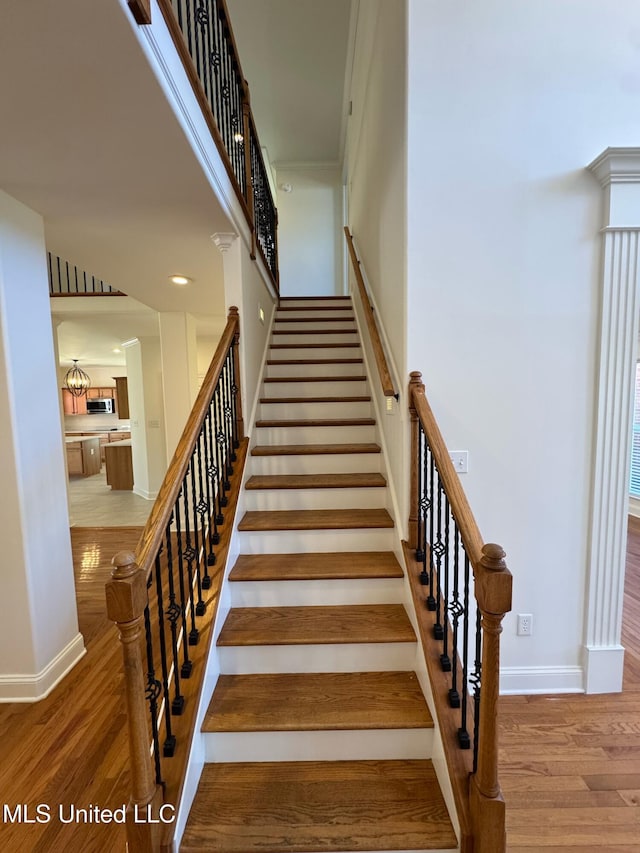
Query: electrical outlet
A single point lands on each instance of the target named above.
(460, 459)
(525, 624)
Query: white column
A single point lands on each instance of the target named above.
(618, 170)
(179, 355)
(146, 410)
(39, 638)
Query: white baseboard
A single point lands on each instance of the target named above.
(32, 688)
(143, 493)
(603, 668)
(541, 679)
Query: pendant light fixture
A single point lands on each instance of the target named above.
(76, 380)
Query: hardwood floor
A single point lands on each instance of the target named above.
(71, 747)
(570, 765)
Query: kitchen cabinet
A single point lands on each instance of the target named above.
(100, 393)
(119, 465)
(83, 455)
(122, 397)
(73, 405)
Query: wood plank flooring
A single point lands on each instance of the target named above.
(71, 747)
(570, 765)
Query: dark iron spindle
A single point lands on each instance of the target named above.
(152, 693)
(205, 514)
(169, 746)
(456, 610)
(437, 548)
(445, 660)
(463, 733)
(476, 680)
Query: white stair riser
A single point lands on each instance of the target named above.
(276, 499)
(339, 657)
(296, 541)
(321, 463)
(338, 592)
(300, 311)
(317, 324)
(315, 435)
(355, 745)
(275, 370)
(334, 351)
(310, 338)
(284, 411)
(317, 303)
(351, 388)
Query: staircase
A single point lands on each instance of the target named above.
(318, 736)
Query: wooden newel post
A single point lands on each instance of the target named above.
(127, 598)
(493, 593)
(416, 385)
(233, 312)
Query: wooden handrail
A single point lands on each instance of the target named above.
(492, 590)
(469, 532)
(381, 362)
(153, 532)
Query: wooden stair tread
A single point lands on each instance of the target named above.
(277, 807)
(358, 378)
(277, 361)
(316, 481)
(317, 702)
(315, 519)
(322, 624)
(353, 331)
(317, 422)
(314, 298)
(316, 566)
(315, 346)
(348, 319)
(314, 308)
(313, 449)
(315, 399)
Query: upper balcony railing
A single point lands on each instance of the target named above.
(201, 31)
(67, 279)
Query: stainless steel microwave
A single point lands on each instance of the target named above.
(101, 406)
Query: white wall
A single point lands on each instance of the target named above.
(508, 102)
(376, 161)
(39, 637)
(310, 241)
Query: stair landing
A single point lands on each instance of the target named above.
(318, 806)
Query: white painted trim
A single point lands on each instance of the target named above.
(32, 688)
(634, 507)
(616, 169)
(541, 679)
(143, 493)
(604, 668)
(307, 166)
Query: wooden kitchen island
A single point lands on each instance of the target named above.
(83, 455)
(119, 466)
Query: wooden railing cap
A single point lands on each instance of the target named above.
(124, 565)
(493, 557)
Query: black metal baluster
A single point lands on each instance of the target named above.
(214, 472)
(431, 601)
(176, 613)
(188, 29)
(476, 680)
(219, 443)
(212, 529)
(177, 5)
(200, 17)
(437, 548)
(234, 398)
(463, 734)
(420, 508)
(216, 63)
(205, 515)
(222, 441)
(187, 663)
(210, 60)
(189, 555)
(228, 411)
(169, 746)
(456, 611)
(194, 564)
(152, 692)
(445, 660)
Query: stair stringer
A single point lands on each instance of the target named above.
(196, 758)
(393, 507)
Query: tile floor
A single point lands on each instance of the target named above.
(93, 504)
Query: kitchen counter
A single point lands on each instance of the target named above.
(72, 439)
(83, 455)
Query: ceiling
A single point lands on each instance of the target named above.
(294, 54)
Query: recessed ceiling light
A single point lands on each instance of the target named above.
(117, 350)
(180, 279)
